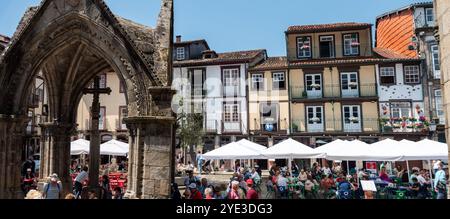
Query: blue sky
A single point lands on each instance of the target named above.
(230, 25)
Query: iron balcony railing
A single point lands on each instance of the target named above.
(317, 91)
(350, 125)
(404, 125)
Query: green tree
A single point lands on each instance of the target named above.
(190, 130)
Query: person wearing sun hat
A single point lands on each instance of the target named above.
(52, 189)
(195, 194)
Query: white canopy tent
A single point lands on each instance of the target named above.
(291, 149)
(344, 150)
(236, 151)
(252, 145)
(79, 147)
(111, 148)
(114, 148)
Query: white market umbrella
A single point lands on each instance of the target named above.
(387, 150)
(291, 149)
(234, 151)
(252, 145)
(79, 147)
(344, 150)
(114, 148)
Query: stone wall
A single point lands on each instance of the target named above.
(442, 9)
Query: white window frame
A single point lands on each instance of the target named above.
(302, 42)
(257, 78)
(349, 48)
(232, 110)
(387, 72)
(436, 61)
(329, 39)
(231, 77)
(279, 77)
(439, 107)
(408, 73)
(400, 110)
(181, 53)
(427, 15)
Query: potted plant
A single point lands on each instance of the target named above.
(354, 119)
(315, 86)
(305, 94)
(314, 120)
(353, 84)
(387, 127)
(294, 127)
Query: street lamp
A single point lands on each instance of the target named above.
(432, 130)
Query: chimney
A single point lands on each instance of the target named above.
(178, 39)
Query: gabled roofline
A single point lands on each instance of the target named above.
(193, 41)
(415, 5)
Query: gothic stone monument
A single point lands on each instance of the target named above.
(70, 42)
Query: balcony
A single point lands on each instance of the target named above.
(231, 127)
(334, 91)
(404, 125)
(212, 126)
(368, 125)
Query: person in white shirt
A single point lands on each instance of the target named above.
(436, 166)
(79, 180)
(326, 170)
(282, 183)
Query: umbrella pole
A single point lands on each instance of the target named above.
(290, 165)
(431, 175)
(409, 174)
(348, 168)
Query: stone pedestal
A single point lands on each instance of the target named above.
(150, 162)
(12, 136)
(55, 153)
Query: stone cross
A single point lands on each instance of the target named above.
(94, 151)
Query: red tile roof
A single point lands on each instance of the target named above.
(223, 58)
(272, 63)
(328, 27)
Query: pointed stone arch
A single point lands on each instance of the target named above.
(70, 42)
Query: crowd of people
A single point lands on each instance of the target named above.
(320, 182)
(245, 184)
(53, 186)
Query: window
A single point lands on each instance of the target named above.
(429, 16)
(123, 113)
(351, 44)
(351, 114)
(387, 75)
(102, 82)
(231, 77)
(315, 115)
(439, 108)
(436, 61)
(412, 74)
(304, 47)
(231, 113)
(257, 82)
(279, 80)
(181, 53)
(102, 119)
(401, 109)
(326, 46)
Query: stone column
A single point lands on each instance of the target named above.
(442, 9)
(55, 153)
(12, 138)
(150, 163)
(152, 148)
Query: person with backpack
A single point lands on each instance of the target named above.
(53, 189)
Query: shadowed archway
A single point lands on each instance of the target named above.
(69, 42)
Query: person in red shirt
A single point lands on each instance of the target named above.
(251, 192)
(195, 194)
